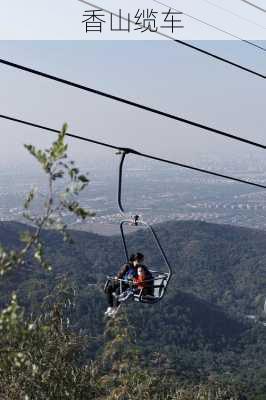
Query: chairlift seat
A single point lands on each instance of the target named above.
(160, 281)
(159, 284)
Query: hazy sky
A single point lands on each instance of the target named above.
(160, 74)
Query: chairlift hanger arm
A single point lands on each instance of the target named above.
(123, 151)
(122, 160)
(135, 220)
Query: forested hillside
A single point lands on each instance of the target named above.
(199, 330)
(222, 264)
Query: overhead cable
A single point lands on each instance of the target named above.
(214, 27)
(135, 152)
(233, 13)
(132, 103)
(181, 42)
(254, 5)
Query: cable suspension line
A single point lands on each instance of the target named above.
(181, 42)
(254, 5)
(132, 103)
(135, 152)
(214, 27)
(233, 13)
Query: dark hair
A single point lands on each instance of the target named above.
(132, 257)
(139, 257)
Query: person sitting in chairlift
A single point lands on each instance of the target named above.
(120, 284)
(132, 278)
(144, 281)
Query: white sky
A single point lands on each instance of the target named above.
(61, 19)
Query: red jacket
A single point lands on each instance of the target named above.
(140, 279)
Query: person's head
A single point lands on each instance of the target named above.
(139, 258)
(132, 258)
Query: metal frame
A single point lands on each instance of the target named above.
(135, 221)
(155, 237)
(121, 164)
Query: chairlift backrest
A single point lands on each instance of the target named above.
(160, 283)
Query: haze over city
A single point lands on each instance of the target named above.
(178, 81)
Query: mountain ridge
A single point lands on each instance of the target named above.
(200, 325)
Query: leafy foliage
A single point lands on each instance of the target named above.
(51, 162)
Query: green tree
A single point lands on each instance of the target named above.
(39, 358)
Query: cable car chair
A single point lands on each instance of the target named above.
(160, 279)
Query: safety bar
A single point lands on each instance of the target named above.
(162, 274)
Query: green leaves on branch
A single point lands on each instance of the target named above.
(9, 316)
(59, 148)
(75, 208)
(25, 237)
(29, 198)
(55, 164)
(40, 156)
(83, 178)
(49, 157)
(9, 259)
(39, 257)
(14, 332)
(52, 163)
